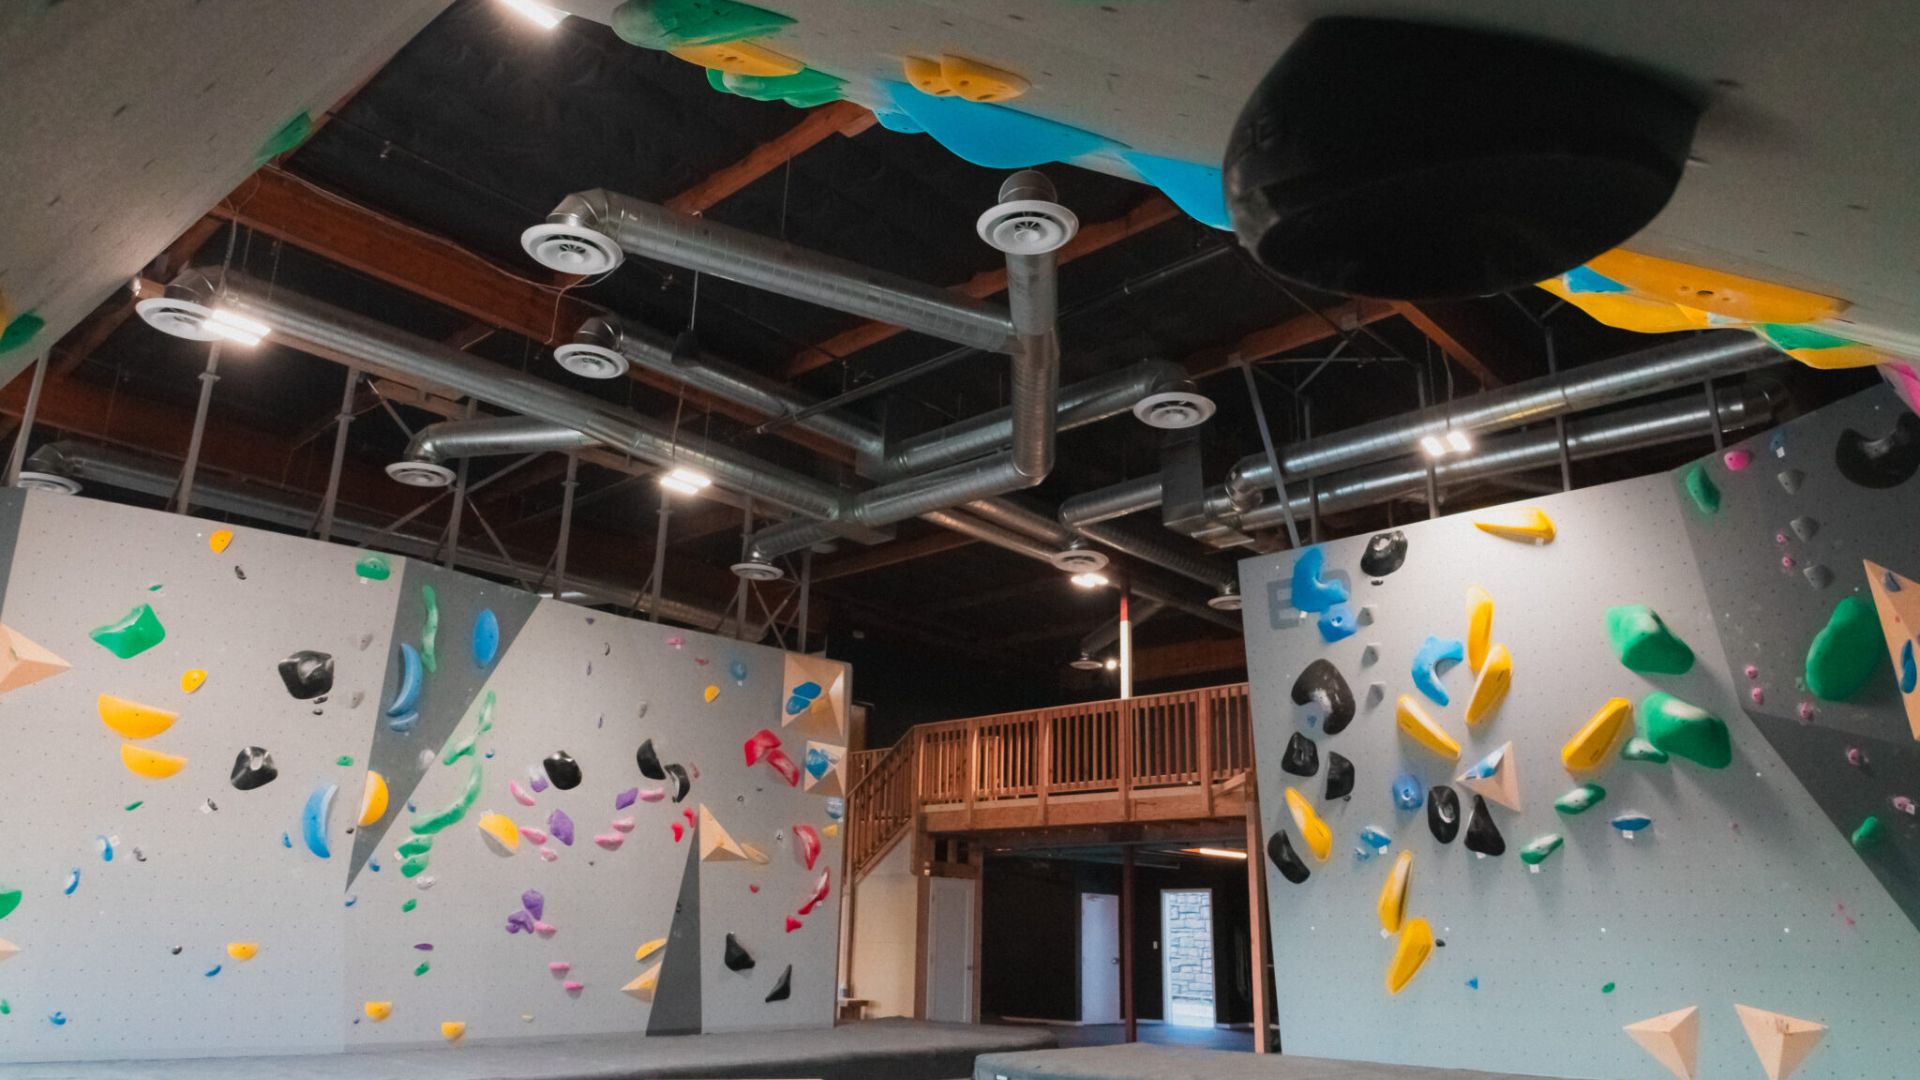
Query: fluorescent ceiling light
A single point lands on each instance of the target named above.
(546, 18)
(236, 328)
(1089, 579)
(1216, 853)
(1433, 446)
(1459, 441)
(686, 481)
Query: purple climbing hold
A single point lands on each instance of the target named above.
(560, 827)
(626, 798)
(519, 923)
(535, 904)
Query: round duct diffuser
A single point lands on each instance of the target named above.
(172, 315)
(423, 474)
(1227, 599)
(52, 483)
(757, 571)
(591, 361)
(571, 249)
(1028, 226)
(1079, 560)
(1414, 162)
(1174, 409)
(1083, 662)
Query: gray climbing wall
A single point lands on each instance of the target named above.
(198, 864)
(1741, 891)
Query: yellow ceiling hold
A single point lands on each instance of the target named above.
(1729, 296)
(151, 764)
(925, 76)
(740, 58)
(956, 76)
(132, 720)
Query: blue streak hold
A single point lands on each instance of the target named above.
(286, 841)
(407, 698)
(486, 637)
(1434, 652)
(106, 849)
(1909, 675)
(313, 820)
(73, 882)
(1338, 623)
(214, 970)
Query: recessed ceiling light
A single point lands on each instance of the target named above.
(1091, 579)
(539, 14)
(686, 481)
(1459, 441)
(1433, 446)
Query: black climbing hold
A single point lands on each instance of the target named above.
(738, 959)
(1888, 461)
(1483, 836)
(1385, 553)
(1443, 813)
(1280, 850)
(562, 770)
(1339, 776)
(649, 762)
(308, 674)
(1302, 757)
(681, 782)
(1321, 685)
(254, 768)
(783, 989)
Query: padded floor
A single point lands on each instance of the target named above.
(872, 1050)
(1143, 1062)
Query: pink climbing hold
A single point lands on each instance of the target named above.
(545, 929)
(1903, 804)
(1786, 562)
(784, 765)
(676, 641)
(1806, 712)
(559, 967)
(691, 820)
(1753, 671)
(820, 890)
(1737, 459)
(679, 831)
(533, 835)
(611, 841)
(1779, 538)
(548, 854)
(572, 987)
(1856, 757)
(793, 924)
(652, 794)
(753, 888)
(1758, 695)
(624, 824)
(520, 795)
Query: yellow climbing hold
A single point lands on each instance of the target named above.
(1423, 729)
(1479, 625)
(219, 540)
(451, 1030)
(712, 692)
(1496, 677)
(642, 988)
(1531, 524)
(832, 829)
(1393, 894)
(1729, 296)
(132, 720)
(926, 76)
(976, 81)
(1313, 831)
(150, 763)
(650, 948)
(1593, 744)
(1416, 944)
(191, 680)
(377, 1010)
(243, 951)
(740, 58)
(501, 834)
(373, 804)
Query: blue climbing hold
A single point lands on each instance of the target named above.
(286, 841)
(1193, 187)
(1375, 838)
(1337, 623)
(1473, 983)
(1632, 823)
(214, 970)
(836, 808)
(1909, 676)
(1406, 791)
(313, 820)
(818, 762)
(1581, 279)
(802, 697)
(738, 669)
(73, 882)
(407, 698)
(403, 725)
(1434, 652)
(991, 136)
(60, 1019)
(1311, 592)
(486, 637)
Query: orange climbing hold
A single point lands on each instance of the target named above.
(740, 58)
(219, 540)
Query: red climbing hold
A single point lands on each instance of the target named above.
(820, 889)
(807, 845)
(793, 924)
(784, 765)
(757, 746)
(679, 831)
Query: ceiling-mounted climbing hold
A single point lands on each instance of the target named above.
(373, 800)
(1885, 462)
(1496, 776)
(1580, 799)
(1302, 757)
(1280, 851)
(740, 58)
(1311, 592)
(1427, 660)
(1313, 831)
(1589, 747)
(1479, 626)
(1325, 690)
(1490, 686)
(1411, 951)
(1339, 776)
(1392, 905)
(1421, 728)
(1643, 643)
(1483, 836)
(1687, 730)
(150, 764)
(133, 720)
(1386, 552)
(1781, 1041)
(1672, 1039)
(1530, 525)
(1443, 813)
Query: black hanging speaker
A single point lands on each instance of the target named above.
(1415, 162)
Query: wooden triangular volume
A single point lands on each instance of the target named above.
(1783, 1042)
(1503, 785)
(644, 987)
(716, 844)
(24, 662)
(1672, 1039)
(1897, 600)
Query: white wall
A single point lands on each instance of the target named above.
(886, 912)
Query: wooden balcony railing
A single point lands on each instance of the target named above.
(1190, 739)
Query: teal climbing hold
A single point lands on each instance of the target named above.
(24, 328)
(1638, 748)
(1702, 490)
(803, 89)
(1540, 847)
(1581, 799)
(991, 136)
(1312, 592)
(1909, 674)
(289, 136)
(1193, 187)
(1846, 652)
(1687, 730)
(1643, 643)
(139, 631)
(679, 24)
(1869, 835)
(1434, 652)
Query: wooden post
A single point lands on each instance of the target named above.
(973, 766)
(1043, 763)
(1203, 737)
(1257, 915)
(1126, 945)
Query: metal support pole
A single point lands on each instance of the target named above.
(1559, 422)
(1433, 491)
(207, 379)
(1126, 940)
(459, 500)
(1313, 482)
(345, 418)
(659, 578)
(1713, 418)
(746, 552)
(19, 457)
(1126, 645)
(566, 528)
(1273, 459)
(806, 593)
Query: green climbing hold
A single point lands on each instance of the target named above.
(1846, 652)
(464, 747)
(135, 805)
(1788, 336)
(410, 904)
(803, 89)
(139, 631)
(419, 845)
(429, 629)
(9, 899)
(678, 24)
(413, 866)
(24, 328)
(343, 760)
(1689, 731)
(5, 1008)
(1643, 643)
(1540, 847)
(1581, 799)
(1606, 988)
(291, 134)
(1639, 749)
(421, 970)
(1701, 489)
(1869, 835)
(429, 825)
(373, 568)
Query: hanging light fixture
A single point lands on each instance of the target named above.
(546, 18)
(1090, 579)
(685, 481)
(236, 328)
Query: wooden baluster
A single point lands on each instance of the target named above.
(1043, 763)
(1203, 735)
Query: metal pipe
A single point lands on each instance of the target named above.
(1273, 458)
(1114, 501)
(659, 578)
(1126, 654)
(341, 422)
(207, 378)
(1161, 552)
(484, 436)
(19, 453)
(695, 243)
(567, 487)
(1108, 632)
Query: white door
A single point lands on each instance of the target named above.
(950, 949)
(1099, 958)
(1186, 956)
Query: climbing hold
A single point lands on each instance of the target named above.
(1637, 748)
(757, 746)
(1302, 757)
(1869, 835)
(716, 844)
(1339, 776)
(1631, 822)
(1375, 837)
(1496, 776)
(1323, 687)
(806, 847)
(675, 24)
(1679, 728)
(486, 637)
(561, 827)
(1483, 836)
(454, 811)
(1904, 804)
(9, 900)
(562, 770)
(649, 761)
(1888, 461)
(139, 631)
(419, 845)
(1790, 480)
(131, 719)
(1386, 552)
(1781, 1041)
(1898, 606)
(649, 948)
(1392, 905)
(313, 820)
(1280, 851)
(559, 967)
(1644, 644)
(1672, 1039)
(407, 697)
(1846, 652)
(1313, 831)
(1589, 747)
(373, 801)
(532, 835)
(73, 882)
(219, 540)
(373, 568)
(1443, 813)
(1420, 727)
(1310, 591)
(451, 1030)
(793, 924)
(974, 81)
(307, 674)
(151, 764)
(1337, 623)
(1432, 653)
(1738, 458)
(1580, 799)
(377, 1010)
(1479, 626)
(783, 987)
(24, 662)
(501, 834)
(1531, 525)
(1406, 791)
(626, 798)
(821, 886)
(1818, 576)
(1804, 527)
(243, 951)
(1415, 945)
(737, 958)
(191, 680)
(1701, 489)
(776, 759)
(1540, 847)
(643, 987)
(1491, 686)
(520, 795)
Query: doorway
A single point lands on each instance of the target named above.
(950, 932)
(1099, 958)
(1186, 956)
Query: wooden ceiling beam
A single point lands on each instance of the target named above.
(840, 117)
(1297, 332)
(1424, 322)
(1096, 237)
(884, 555)
(1200, 656)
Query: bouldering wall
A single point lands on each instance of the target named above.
(580, 823)
(1711, 878)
